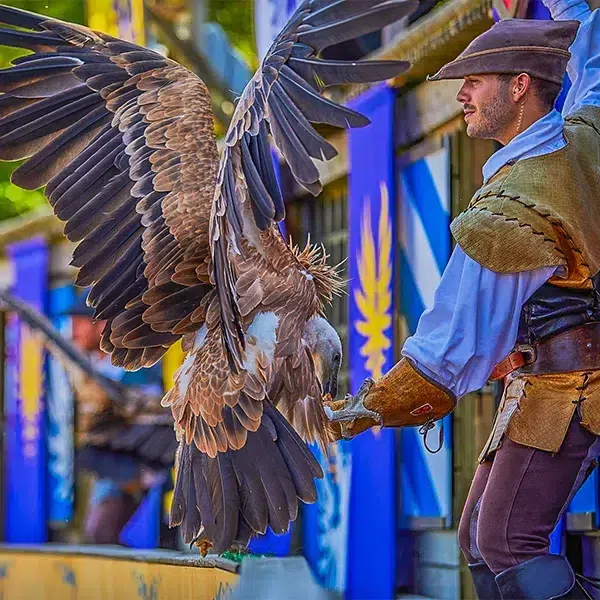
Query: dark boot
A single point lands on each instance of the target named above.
(484, 581)
(541, 578)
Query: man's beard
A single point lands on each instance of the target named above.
(492, 118)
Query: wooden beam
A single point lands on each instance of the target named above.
(424, 109)
(438, 37)
(39, 222)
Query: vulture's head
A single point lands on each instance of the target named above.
(325, 346)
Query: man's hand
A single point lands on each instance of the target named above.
(350, 416)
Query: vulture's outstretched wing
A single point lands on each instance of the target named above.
(133, 427)
(284, 99)
(123, 140)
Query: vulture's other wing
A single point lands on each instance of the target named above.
(299, 398)
(284, 99)
(135, 429)
(123, 140)
(141, 439)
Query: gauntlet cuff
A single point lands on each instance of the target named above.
(403, 397)
(406, 397)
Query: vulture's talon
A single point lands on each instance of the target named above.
(354, 408)
(201, 543)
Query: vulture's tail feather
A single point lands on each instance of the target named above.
(234, 496)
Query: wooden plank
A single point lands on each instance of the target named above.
(424, 109)
(70, 575)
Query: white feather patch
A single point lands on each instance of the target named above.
(188, 363)
(262, 337)
(200, 338)
(186, 374)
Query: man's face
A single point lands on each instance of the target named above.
(487, 106)
(86, 333)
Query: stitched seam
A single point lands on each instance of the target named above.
(581, 389)
(554, 221)
(519, 223)
(512, 504)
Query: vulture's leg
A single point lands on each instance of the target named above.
(351, 408)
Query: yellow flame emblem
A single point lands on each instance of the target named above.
(374, 298)
(31, 374)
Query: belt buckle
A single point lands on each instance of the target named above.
(528, 351)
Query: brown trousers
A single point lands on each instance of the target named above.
(516, 500)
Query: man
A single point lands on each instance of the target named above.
(119, 479)
(520, 297)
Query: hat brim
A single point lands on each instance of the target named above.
(548, 64)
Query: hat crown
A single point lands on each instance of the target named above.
(512, 46)
(525, 33)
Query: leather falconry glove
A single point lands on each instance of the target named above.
(403, 397)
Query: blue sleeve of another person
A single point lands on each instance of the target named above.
(584, 66)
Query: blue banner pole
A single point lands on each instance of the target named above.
(372, 235)
(26, 476)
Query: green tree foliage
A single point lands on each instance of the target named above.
(13, 200)
(236, 17)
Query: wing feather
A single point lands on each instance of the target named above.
(285, 98)
(175, 242)
(104, 125)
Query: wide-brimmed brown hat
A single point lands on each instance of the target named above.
(513, 46)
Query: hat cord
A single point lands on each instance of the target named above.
(521, 113)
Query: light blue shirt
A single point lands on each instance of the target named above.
(473, 323)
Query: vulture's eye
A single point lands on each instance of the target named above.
(336, 357)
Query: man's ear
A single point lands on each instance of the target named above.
(520, 87)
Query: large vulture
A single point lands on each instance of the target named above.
(179, 243)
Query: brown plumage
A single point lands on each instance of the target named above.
(179, 244)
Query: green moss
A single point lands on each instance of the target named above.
(237, 556)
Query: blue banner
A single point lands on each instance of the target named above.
(61, 415)
(372, 235)
(424, 205)
(325, 534)
(25, 473)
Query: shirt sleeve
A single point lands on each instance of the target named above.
(473, 323)
(584, 66)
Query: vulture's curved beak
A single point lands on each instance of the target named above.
(331, 386)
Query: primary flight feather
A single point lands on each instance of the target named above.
(177, 243)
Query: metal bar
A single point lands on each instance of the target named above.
(37, 321)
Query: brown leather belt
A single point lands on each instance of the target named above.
(576, 349)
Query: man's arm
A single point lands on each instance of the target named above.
(472, 325)
(566, 10)
(584, 66)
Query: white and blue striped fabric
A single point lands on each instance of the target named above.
(424, 236)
